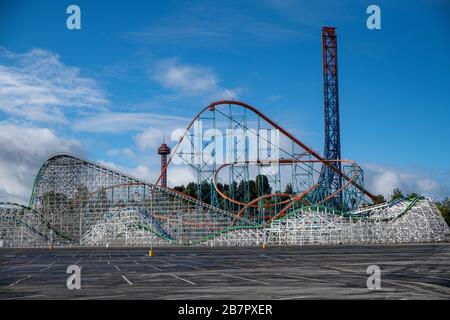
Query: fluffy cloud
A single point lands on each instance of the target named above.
(382, 179)
(120, 122)
(190, 80)
(23, 150)
(37, 86)
(176, 175)
(149, 139)
(125, 152)
(179, 175)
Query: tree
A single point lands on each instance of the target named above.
(191, 189)
(179, 188)
(262, 185)
(444, 208)
(288, 189)
(397, 194)
(379, 199)
(413, 195)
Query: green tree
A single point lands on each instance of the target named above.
(180, 188)
(444, 208)
(396, 194)
(413, 195)
(288, 189)
(262, 185)
(379, 199)
(191, 189)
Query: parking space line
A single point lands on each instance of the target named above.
(185, 280)
(242, 278)
(27, 297)
(99, 297)
(129, 282)
(194, 267)
(20, 280)
(155, 267)
(309, 279)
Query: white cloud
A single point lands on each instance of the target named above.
(149, 139)
(145, 173)
(385, 182)
(141, 171)
(185, 78)
(428, 186)
(190, 80)
(381, 179)
(179, 175)
(37, 86)
(176, 175)
(23, 150)
(119, 122)
(127, 152)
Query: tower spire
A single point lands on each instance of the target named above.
(164, 150)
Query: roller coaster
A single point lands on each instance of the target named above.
(255, 184)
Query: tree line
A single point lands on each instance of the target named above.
(261, 186)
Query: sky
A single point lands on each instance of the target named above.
(111, 91)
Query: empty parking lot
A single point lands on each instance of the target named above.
(309, 272)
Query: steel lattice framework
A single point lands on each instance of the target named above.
(239, 200)
(76, 202)
(332, 147)
(402, 221)
(245, 161)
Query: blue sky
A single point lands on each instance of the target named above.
(106, 91)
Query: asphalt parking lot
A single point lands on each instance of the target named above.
(308, 272)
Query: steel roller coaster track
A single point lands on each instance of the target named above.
(349, 180)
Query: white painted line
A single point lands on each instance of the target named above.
(116, 267)
(155, 267)
(129, 282)
(136, 262)
(294, 298)
(242, 278)
(198, 268)
(99, 297)
(27, 297)
(164, 262)
(194, 267)
(109, 262)
(14, 283)
(185, 280)
(182, 297)
(309, 279)
(231, 266)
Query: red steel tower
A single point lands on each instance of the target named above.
(164, 150)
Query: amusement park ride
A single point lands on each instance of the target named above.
(251, 148)
(256, 183)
